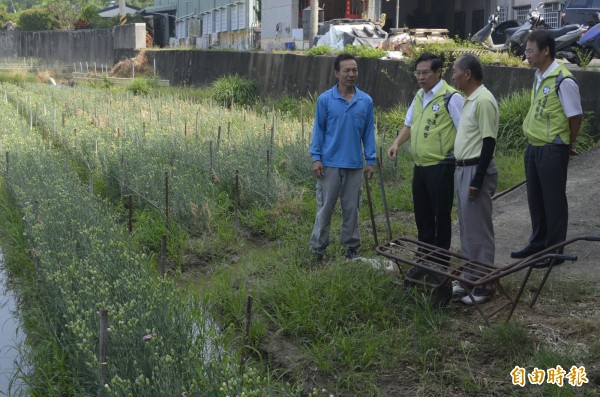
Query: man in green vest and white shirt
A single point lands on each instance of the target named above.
(430, 123)
(551, 127)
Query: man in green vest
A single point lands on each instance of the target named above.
(430, 123)
(551, 127)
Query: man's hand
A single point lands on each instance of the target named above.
(317, 169)
(572, 150)
(473, 192)
(392, 151)
(369, 171)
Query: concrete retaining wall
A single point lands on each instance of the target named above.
(388, 82)
(103, 46)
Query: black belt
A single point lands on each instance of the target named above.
(464, 163)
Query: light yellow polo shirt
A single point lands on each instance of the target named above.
(479, 119)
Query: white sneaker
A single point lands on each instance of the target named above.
(476, 299)
(458, 290)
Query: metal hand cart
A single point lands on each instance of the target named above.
(434, 269)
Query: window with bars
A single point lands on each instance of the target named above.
(551, 14)
(503, 14)
(521, 13)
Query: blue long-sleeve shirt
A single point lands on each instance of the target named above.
(342, 130)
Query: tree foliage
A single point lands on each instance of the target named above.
(22, 5)
(61, 14)
(36, 19)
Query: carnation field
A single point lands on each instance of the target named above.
(186, 223)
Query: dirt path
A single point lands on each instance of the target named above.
(512, 223)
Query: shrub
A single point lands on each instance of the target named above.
(36, 19)
(81, 24)
(391, 121)
(363, 51)
(17, 77)
(320, 50)
(141, 86)
(513, 109)
(4, 17)
(234, 89)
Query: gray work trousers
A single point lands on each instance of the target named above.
(475, 220)
(345, 183)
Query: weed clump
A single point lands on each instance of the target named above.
(320, 50)
(141, 86)
(234, 89)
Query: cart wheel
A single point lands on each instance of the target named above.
(433, 286)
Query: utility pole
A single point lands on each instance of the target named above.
(314, 22)
(122, 13)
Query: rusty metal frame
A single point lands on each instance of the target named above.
(452, 266)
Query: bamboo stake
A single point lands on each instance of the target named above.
(246, 334)
(237, 202)
(371, 212)
(385, 208)
(167, 200)
(163, 255)
(212, 167)
(130, 214)
(103, 347)
(91, 178)
(36, 212)
(218, 139)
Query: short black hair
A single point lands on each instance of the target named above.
(436, 60)
(340, 58)
(472, 63)
(542, 39)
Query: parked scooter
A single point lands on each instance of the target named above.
(589, 43)
(566, 37)
(516, 42)
(484, 36)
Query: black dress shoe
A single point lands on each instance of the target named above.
(525, 252)
(544, 263)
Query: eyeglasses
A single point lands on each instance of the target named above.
(424, 73)
(529, 51)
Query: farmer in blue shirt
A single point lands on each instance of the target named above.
(343, 138)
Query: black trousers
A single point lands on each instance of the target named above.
(433, 196)
(546, 174)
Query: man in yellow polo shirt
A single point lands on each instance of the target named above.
(551, 127)
(476, 176)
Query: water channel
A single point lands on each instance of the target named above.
(10, 335)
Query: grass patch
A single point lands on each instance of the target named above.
(510, 341)
(17, 77)
(230, 90)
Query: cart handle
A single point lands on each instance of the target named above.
(565, 257)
